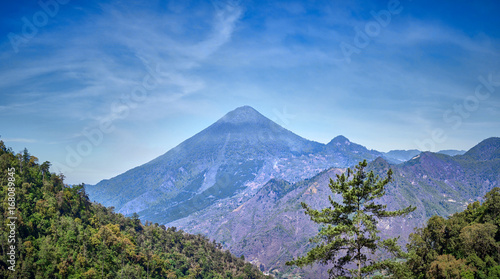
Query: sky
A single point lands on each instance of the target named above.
(100, 87)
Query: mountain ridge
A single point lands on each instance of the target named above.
(234, 156)
(486, 150)
(270, 227)
(245, 170)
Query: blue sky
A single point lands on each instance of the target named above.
(100, 87)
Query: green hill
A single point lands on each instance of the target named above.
(465, 245)
(51, 230)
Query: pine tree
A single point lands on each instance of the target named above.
(350, 230)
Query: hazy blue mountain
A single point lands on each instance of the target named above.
(489, 149)
(452, 152)
(232, 159)
(270, 227)
(399, 156)
(348, 153)
(241, 180)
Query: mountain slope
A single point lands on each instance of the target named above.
(211, 165)
(270, 227)
(241, 181)
(347, 152)
(59, 233)
(232, 158)
(488, 149)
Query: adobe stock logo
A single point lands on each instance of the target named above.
(38, 20)
(362, 38)
(460, 112)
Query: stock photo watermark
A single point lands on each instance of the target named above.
(11, 217)
(282, 118)
(460, 111)
(372, 29)
(120, 109)
(31, 25)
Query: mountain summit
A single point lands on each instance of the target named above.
(244, 114)
(231, 159)
(488, 149)
(339, 140)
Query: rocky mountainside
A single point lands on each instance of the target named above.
(241, 180)
(230, 160)
(270, 228)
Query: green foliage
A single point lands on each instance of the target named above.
(446, 266)
(466, 245)
(61, 234)
(350, 233)
(494, 272)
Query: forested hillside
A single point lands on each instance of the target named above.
(56, 232)
(466, 245)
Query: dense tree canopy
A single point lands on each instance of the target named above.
(466, 245)
(61, 234)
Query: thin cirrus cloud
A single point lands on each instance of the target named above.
(90, 69)
(18, 140)
(214, 56)
(102, 59)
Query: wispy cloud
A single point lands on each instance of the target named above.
(107, 56)
(213, 56)
(22, 140)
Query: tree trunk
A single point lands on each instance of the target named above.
(358, 227)
(359, 264)
(359, 251)
(102, 261)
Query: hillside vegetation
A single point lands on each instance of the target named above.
(466, 245)
(59, 233)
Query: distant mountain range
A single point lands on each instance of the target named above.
(233, 157)
(241, 180)
(270, 228)
(400, 156)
